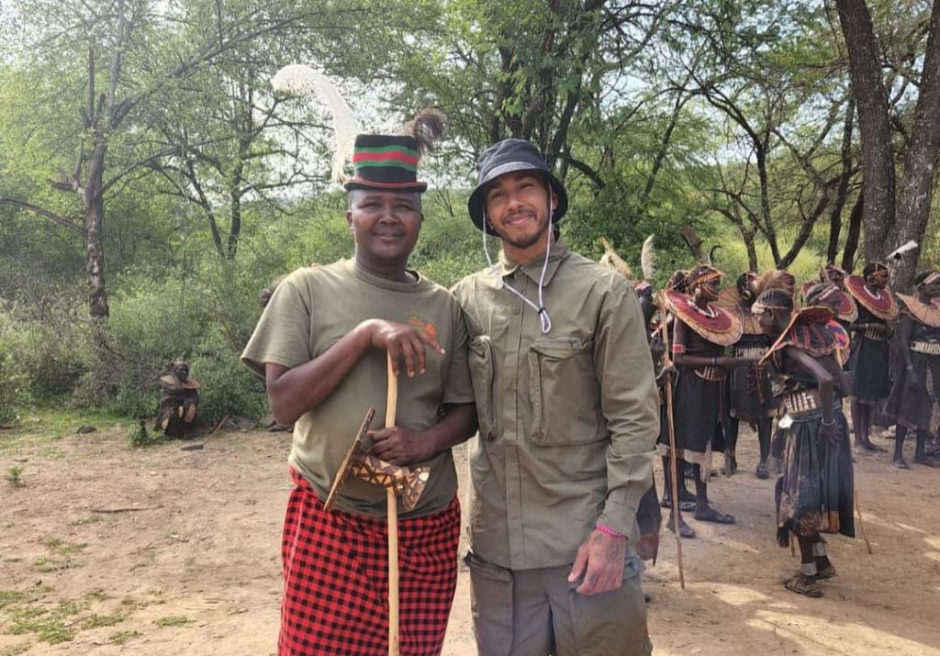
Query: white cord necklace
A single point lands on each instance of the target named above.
(545, 321)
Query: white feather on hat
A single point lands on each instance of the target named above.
(302, 80)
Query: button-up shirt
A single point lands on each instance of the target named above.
(568, 419)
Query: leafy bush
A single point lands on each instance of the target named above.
(13, 380)
(139, 435)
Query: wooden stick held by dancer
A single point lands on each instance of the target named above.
(861, 524)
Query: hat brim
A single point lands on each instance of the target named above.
(361, 183)
(476, 204)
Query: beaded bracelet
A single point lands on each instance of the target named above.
(606, 530)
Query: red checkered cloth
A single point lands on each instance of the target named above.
(336, 579)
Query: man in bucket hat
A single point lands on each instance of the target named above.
(568, 418)
(321, 345)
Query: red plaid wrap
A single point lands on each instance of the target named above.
(336, 579)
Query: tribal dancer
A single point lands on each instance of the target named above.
(677, 283)
(828, 295)
(814, 494)
(749, 387)
(841, 302)
(700, 335)
(648, 515)
(869, 363)
(910, 400)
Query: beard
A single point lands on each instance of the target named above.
(526, 240)
(522, 241)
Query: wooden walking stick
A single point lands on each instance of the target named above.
(409, 482)
(861, 524)
(674, 491)
(391, 407)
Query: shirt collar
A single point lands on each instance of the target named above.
(558, 254)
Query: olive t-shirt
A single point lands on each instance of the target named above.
(308, 313)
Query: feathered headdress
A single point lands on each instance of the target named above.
(301, 80)
(611, 259)
(426, 127)
(648, 259)
(901, 250)
(775, 279)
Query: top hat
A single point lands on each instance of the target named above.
(388, 162)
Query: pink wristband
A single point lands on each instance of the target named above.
(608, 531)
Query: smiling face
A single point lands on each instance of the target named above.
(517, 209)
(386, 226)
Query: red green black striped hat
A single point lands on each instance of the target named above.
(382, 161)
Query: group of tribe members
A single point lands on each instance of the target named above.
(751, 352)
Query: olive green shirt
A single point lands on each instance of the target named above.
(308, 313)
(568, 419)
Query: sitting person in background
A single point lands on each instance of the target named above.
(179, 401)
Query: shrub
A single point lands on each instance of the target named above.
(139, 434)
(13, 380)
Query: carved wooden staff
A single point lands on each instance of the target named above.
(409, 482)
(391, 408)
(672, 441)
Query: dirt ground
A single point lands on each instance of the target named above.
(105, 549)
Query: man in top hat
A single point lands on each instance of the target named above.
(568, 418)
(321, 345)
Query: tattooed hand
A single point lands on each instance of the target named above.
(600, 560)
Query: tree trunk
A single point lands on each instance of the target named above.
(916, 189)
(877, 159)
(92, 195)
(771, 233)
(98, 295)
(235, 230)
(842, 194)
(806, 229)
(752, 264)
(855, 228)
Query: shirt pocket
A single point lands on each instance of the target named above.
(483, 377)
(564, 393)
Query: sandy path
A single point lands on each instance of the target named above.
(190, 564)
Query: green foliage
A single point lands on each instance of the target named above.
(50, 625)
(139, 435)
(8, 597)
(13, 379)
(95, 621)
(172, 620)
(123, 637)
(652, 126)
(14, 476)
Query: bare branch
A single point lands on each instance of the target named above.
(41, 211)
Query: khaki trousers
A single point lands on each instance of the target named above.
(537, 613)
